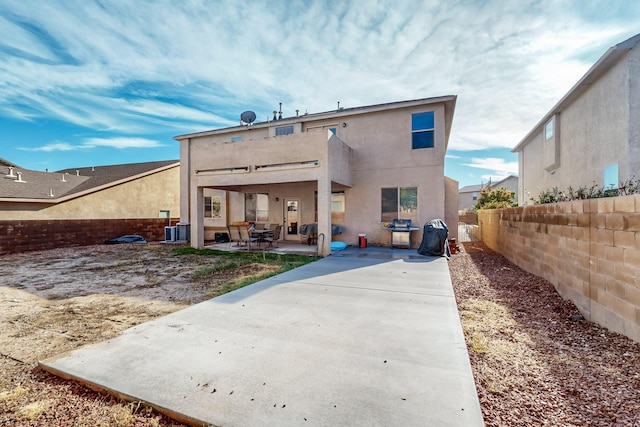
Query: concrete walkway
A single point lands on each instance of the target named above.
(365, 337)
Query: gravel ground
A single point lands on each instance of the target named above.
(535, 360)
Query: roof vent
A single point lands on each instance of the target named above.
(51, 192)
(77, 172)
(63, 179)
(19, 177)
(11, 174)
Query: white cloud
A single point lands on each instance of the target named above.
(90, 143)
(56, 146)
(120, 143)
(499, 166)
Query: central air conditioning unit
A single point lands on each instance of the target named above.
(183, 233)
(170, 234)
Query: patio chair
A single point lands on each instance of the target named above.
(246, 237)
(234, 235)
(275, 236)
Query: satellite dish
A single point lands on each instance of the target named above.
(248, 117)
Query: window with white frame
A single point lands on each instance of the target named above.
(256, 207)
(212, 207)
(548, 130)
(399, 203)
(422, 130)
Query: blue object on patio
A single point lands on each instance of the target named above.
(338, 246)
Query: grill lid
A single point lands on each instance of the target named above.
(401, 223)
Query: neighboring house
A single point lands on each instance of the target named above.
(468, 195)
(138, 190)
(592, 134)
(356, 168)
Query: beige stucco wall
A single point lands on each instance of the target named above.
(466, 201)
(140, 198)
(593, 134)
(370, 151)
(451, 206)
(588, 249)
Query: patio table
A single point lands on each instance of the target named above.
(260, 234)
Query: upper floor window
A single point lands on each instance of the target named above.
(611, 177)
(236, 138)
(548, 130)
(284, 130)
(475, 195)
(422, 128)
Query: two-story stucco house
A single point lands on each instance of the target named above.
(352, 167)
(592, 134)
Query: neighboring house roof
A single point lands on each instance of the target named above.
(4, 162)
(103, 175)
(54, 187)
(471, 188)
(344, 112)
(480, 187)
(606, 61)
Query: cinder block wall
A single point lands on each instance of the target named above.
(22, 236)
(588, 249)
(467, 218)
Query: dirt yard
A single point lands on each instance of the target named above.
(534, 359)
(58, 300)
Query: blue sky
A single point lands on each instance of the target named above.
(87, 83)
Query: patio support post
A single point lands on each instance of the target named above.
(185, 180)
(324, 216)
(197, 219)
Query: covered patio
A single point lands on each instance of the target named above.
(283, 247)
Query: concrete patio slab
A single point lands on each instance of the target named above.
(360, 338)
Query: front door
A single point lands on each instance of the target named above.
(292, 219)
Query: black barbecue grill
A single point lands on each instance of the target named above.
(401, 233)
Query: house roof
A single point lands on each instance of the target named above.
(449, 100)
(54, 187)
(4, 162)
(606, 61)
(471, 188)
(480, 187)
